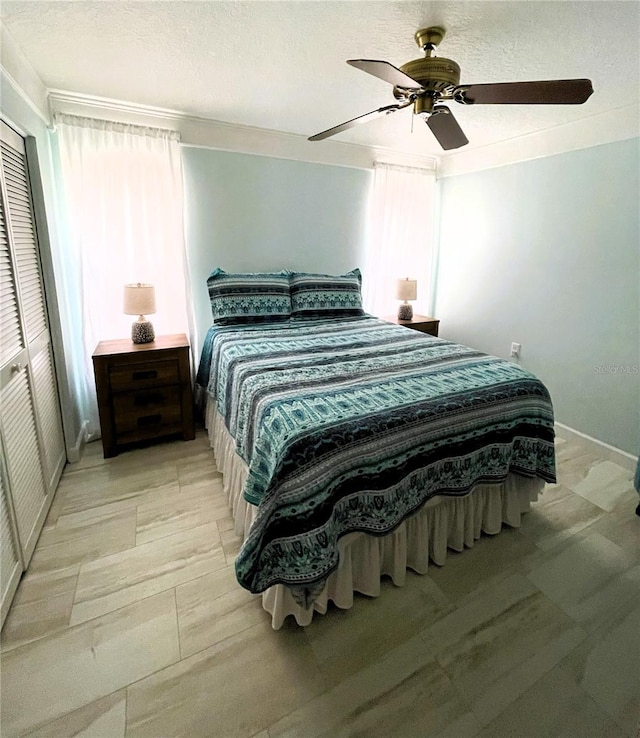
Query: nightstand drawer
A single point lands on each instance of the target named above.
(147, 409)
(430, 328)
(149, 374)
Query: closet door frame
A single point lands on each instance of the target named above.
(72, 443)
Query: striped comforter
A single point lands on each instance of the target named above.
(352, 424)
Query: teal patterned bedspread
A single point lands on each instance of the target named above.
(353, 424)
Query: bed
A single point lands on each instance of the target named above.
(352, 448)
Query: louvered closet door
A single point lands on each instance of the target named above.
(33, 443)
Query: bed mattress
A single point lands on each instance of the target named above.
(353, 425)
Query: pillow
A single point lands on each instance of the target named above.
(249, 298)
(325, 295)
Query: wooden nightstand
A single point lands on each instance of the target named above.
(420, 323)
(144, 391)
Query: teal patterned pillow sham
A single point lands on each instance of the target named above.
(249, 297)
(325, 295)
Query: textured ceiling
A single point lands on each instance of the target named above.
(281, 65)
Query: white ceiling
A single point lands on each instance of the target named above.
(281, 65)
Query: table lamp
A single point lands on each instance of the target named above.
(406, 289)
(140, 300)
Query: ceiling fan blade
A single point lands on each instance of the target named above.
(360, 119)
(445, 128)
(387, 72)
(548, 92)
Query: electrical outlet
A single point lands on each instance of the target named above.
(515, 350)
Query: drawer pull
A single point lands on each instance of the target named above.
(152, 398)
(149, 420)
(145, 374)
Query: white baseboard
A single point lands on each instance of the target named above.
(74, 453)
(622, 458)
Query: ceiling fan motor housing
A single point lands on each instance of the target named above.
(434, 73)
(437, 75)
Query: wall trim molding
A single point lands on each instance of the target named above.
(26, 99)
(601, 128)
(616, 455)
(213, 134)
(24, 79)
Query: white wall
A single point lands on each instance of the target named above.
(546, 253)
(257, 213)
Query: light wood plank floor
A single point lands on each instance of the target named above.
(130, 621)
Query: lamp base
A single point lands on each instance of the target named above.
(142, 332)
(405, 311)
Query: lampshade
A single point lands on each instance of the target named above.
(139, 299)
(406, 289)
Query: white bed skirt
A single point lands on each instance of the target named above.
(444, 522)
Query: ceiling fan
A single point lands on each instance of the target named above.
(426, 83)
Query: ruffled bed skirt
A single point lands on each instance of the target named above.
(444, 522)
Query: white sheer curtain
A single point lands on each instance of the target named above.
(400, 242)
(121, 192)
